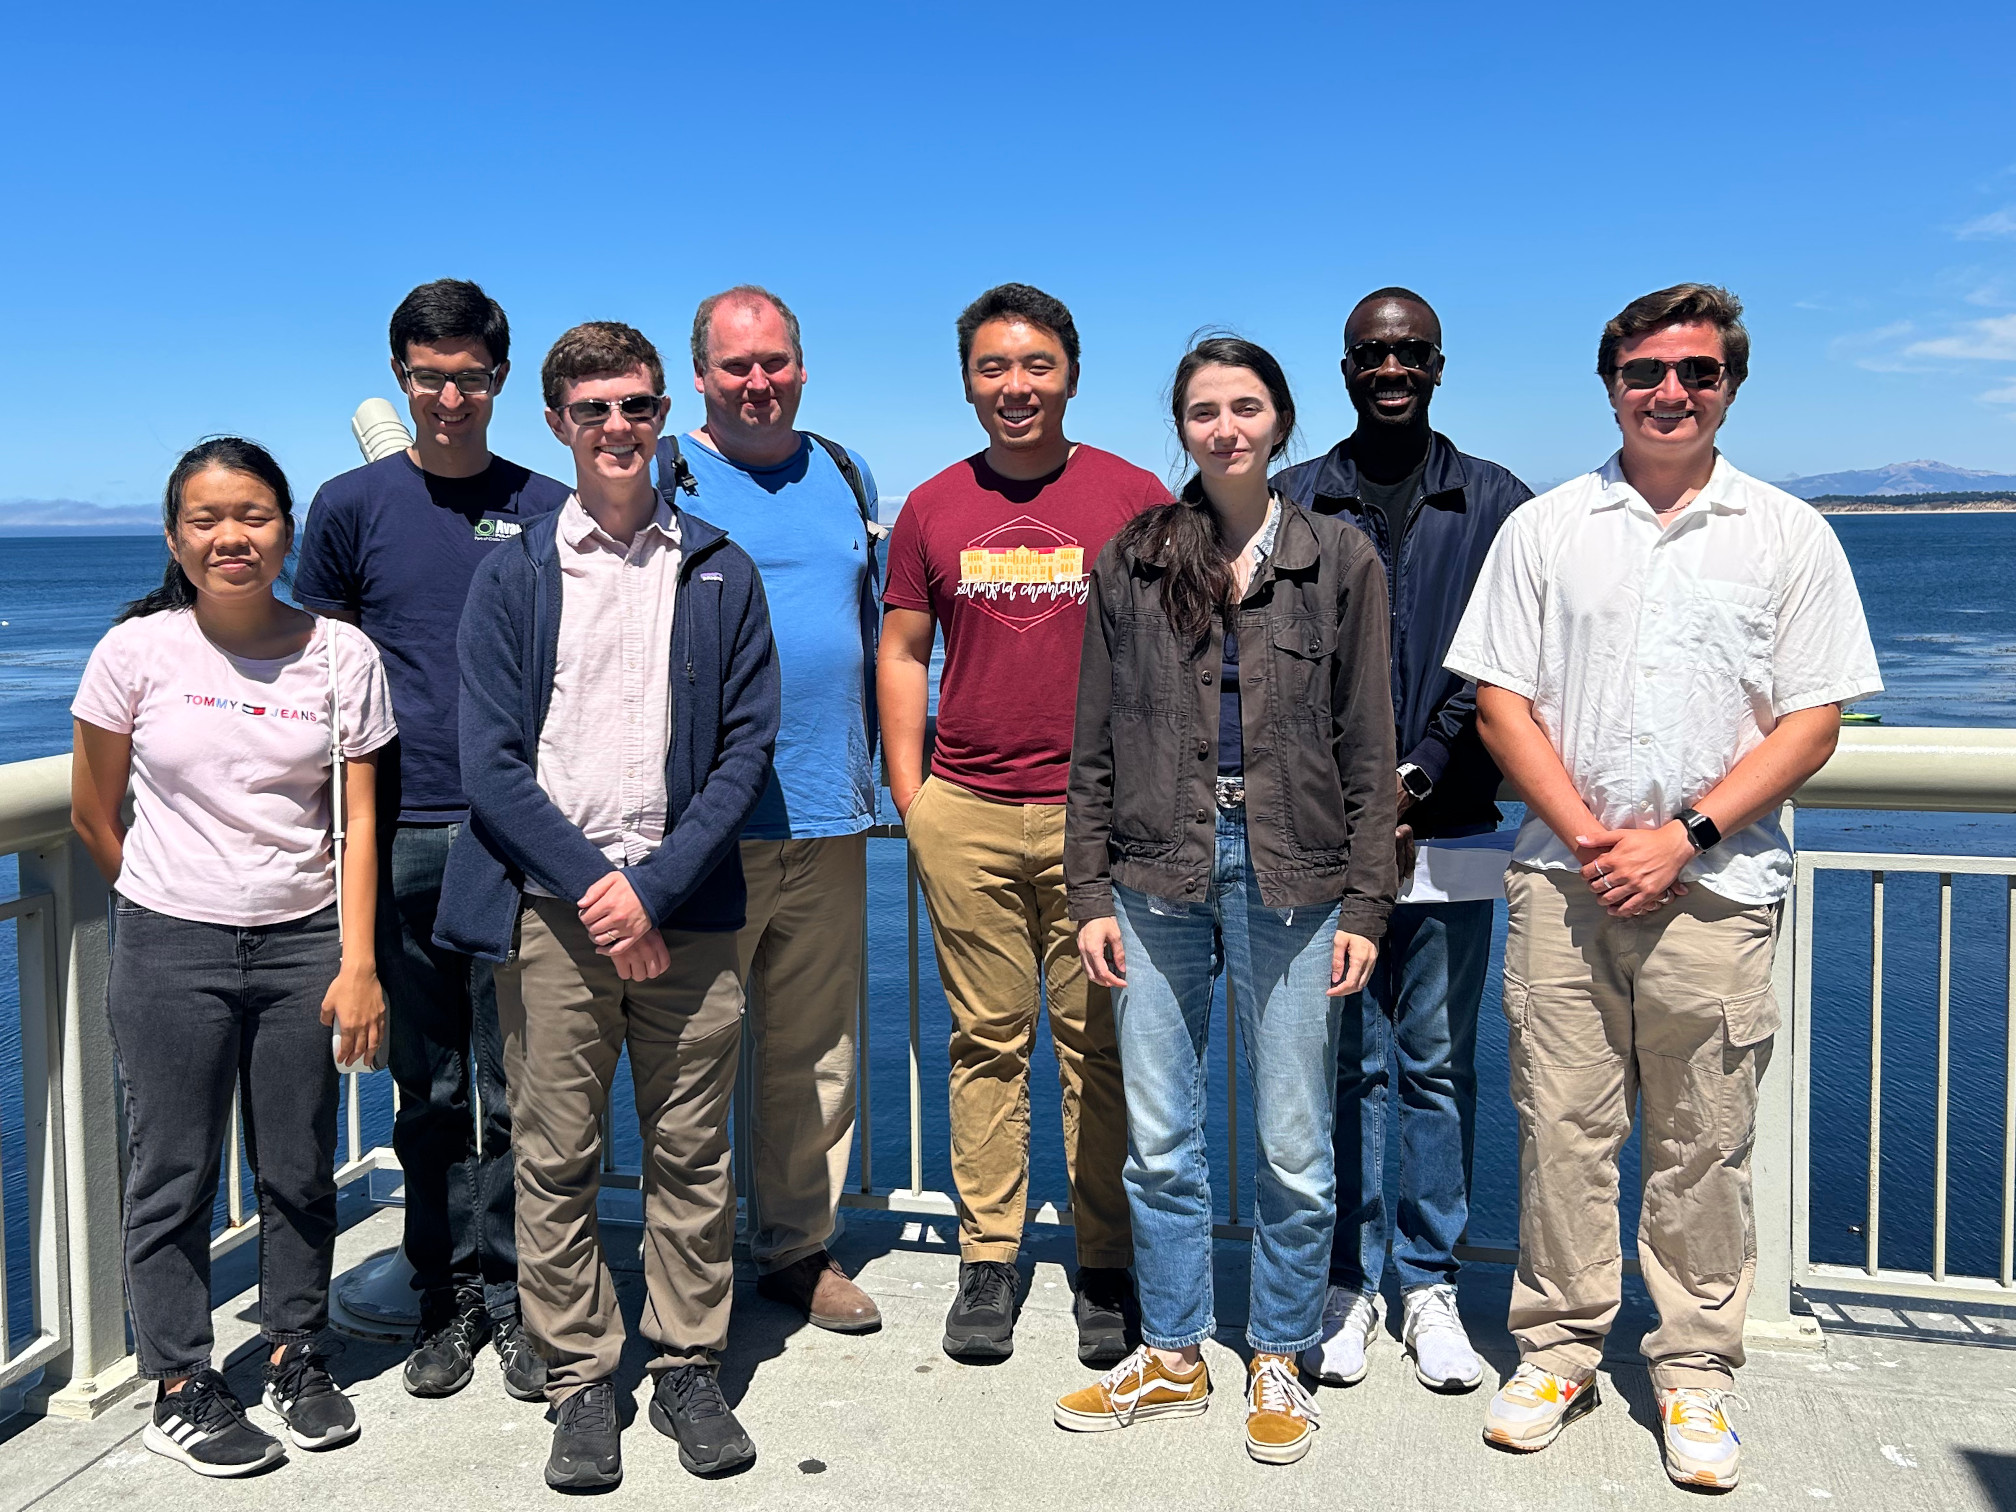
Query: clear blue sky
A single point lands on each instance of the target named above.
(211, 210)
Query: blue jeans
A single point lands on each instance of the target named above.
(1419, 1014)
(1277, 963)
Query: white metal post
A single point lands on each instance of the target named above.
(96, 1370)
(1770, 1321)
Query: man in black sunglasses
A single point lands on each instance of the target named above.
(1432, 511)
(619, 707)
(392, 547)
(1662, 648)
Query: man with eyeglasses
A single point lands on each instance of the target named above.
(392, 547)
(619, 706)
(1410, 1041)
(802, 507)
(1662, 648)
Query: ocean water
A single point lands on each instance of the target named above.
(1944, 621)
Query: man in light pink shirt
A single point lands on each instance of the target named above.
(602, 749)
(618, 711)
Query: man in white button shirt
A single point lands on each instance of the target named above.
(1662, 649)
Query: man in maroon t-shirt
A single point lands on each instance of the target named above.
(995, 549)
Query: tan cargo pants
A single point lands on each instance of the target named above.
(993, 880)
(801, 964)
(1674, 1011)
(567, 1017)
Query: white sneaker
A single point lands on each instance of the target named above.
(1433, 1334)
(1701, 1448)
(1530, 1410)
(1350, 1318)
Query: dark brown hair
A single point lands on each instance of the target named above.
(1182, 538)
(1683, 304)
(598, 349)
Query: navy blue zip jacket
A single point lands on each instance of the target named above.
(724, 724)
(1448, 530)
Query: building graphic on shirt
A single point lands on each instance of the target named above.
(1023, 572)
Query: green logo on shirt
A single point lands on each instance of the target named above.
(497, 530)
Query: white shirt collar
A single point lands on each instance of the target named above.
(1723, 494)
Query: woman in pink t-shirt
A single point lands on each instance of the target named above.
(214, 700)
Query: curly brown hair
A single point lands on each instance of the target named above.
(597, 349)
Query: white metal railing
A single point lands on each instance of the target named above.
(1871, 1276)
(73, 1137)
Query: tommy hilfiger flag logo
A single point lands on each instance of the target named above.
(256, 711)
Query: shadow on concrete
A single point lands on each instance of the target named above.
(1996, 1471)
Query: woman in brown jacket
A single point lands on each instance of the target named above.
(1230, 810)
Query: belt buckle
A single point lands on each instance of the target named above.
(1231, 792)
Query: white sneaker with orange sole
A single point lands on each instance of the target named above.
(1701, 1448)
(1530, 1410)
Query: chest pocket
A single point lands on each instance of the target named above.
(1146, 663)
(1732, 626)
(1304, 647)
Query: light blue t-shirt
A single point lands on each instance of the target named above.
(801, 524)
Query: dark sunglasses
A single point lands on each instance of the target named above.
(1650, 372)
(596, 411)
(1415, 352)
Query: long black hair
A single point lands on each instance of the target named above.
(233, 454)
(1182, 538)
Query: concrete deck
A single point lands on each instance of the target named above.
(887, 1421)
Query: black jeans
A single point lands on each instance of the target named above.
(460, 1223)
(197, 1009)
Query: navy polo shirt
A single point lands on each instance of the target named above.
(397, 548)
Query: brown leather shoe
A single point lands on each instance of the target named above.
(817, 1287)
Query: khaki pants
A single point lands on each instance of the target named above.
(801, 964)
(993, 879)
(1675, 1009)
(566, 1017)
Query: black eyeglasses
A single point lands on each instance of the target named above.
(472, 381)
(1650, 372)
(596, 411)
(1415, 352)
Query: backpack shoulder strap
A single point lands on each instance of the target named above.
(852, 474)
(672, 469)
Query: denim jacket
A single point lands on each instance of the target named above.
(1315, 716)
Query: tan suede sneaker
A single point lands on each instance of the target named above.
(1280, 1413)
(1140, 1386)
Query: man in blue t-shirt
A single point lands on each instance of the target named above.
(783, 495)
(392, 547)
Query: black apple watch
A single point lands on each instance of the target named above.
(1417, 782)
(1700, 828)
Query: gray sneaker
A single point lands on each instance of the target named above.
(1350, 1318)
(1433, 1336)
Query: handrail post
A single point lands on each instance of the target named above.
(95, 1370)
(1770, 1320)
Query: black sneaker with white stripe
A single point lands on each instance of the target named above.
(298, 1387)
(205, 1427)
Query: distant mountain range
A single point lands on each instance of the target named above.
(1900, 478)
(45, 517)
